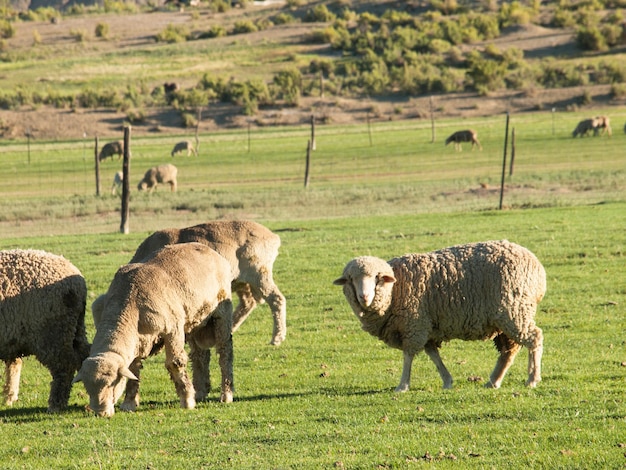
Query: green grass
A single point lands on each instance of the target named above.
(324, 399)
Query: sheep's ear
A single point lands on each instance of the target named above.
(77, 379)
(125, 372)
(388, 278)
(340, 282)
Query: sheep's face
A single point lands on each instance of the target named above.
(367, 283)
(104, 377)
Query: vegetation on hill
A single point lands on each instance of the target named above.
(363, 49)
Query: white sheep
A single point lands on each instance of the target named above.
(478, 291)
(185, 145)
(42, 313)
(159, 174)
(468, 135)
(110, 149)
(118, 179)
(183, 290)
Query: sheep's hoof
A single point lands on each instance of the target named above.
(402, 388)
(128, 406)
(227, 397)
(532, 383)
(188, 403)
(491, 385)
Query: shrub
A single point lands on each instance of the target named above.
(189, 119)
(36, 37)
(7, 30)
(283, 18)
(79, 35)
(591, 39)
(244, 26)
(173, 34)
(215, 31)
(618, 91)
(289, 83)
(102, 30)
(319, 14)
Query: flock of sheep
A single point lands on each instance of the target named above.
(161, 174)
(178, 288)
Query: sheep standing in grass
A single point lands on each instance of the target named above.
(185, 146)
(468, 135)
(602, 125)
(42, 313)
(182, 291)
(164, 174)
(251, 250)
(476, 291)
(110, 149)
(584, 127)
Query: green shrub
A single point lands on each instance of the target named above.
(173, 34)
(319, 14)
(244, 26)
(618, 91)
(7, 30)
(563, 18)
(189, 119)
(79, 35)
(102, 30)
(219, 6)
(215, 31)
(283, 18)
(591, 39)
(289, 84)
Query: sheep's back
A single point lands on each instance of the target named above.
(461, 290)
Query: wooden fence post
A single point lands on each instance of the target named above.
(124, 228)
(512, 151)
(506, 143)
(312, 132)
(307, 165)
(97, 167)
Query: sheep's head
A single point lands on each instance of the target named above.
(104, 377)
(367, 283)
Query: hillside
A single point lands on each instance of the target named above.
(65, 55)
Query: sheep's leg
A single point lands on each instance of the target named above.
(200, 362)
(176, 364)
(508, 350)
(224, 347)
(405, 380)
(12, 371)
(131, 398)
(535, 351)
(269, 292)
(246, 304)
(433, 352)
(60, 387)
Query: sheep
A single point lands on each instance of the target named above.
(477, 291)
(182, 291)
(251, 250)
(159, 174)
(110, 149)
(184, 145)
(602, 124)
(584, 127)
(118, 179)
(468, 135)
(42, 313)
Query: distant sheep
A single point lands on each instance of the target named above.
(477, 291)
(183, 291)
(118, 179)
(42, 312)
(468, 135)
(110, 149)
(584, 127)
(185, 145)
(171, 87)
(164, 174)
(602, 125)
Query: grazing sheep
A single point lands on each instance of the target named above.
(183, 290)
(118, 179)
(159, 174)
(170, 87)
(468, 135)
(602, 124)
(251, 250)
(184, 145)
(42, 313)
(110, 149)
(477, 291)
(584, 127)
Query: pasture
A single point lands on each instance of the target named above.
(324, 398)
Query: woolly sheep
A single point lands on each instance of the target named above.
(468, 135)
(118, 179)
(584, 127)
(42, 313)
(478, 291)
(185, 145)
(251, 250)
(110, 149)
(602, 124)
(183, 290)
(159, 174)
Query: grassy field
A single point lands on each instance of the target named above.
(324, 399)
